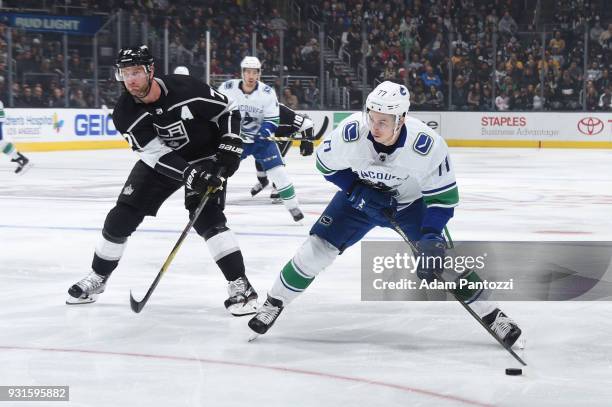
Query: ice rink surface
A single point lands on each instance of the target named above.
(327, 348)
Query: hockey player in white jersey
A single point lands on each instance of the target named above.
(8, 148)
(258, 106)
(385, 164)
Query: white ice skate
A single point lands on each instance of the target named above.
(242, 297)
(87, 290)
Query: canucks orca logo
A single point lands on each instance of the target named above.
(326, 220)
(249, 123)
(423, 143)
(350, 132)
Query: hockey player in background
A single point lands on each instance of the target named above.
(385, 164)
(291, 123)
(181, 70)
(185, 134)
(8, 148)
(258, 106)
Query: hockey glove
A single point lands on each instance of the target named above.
(266, 130)
(306, 148)
(372, 201)
(229, 155)
(199, 180)
(432, 248)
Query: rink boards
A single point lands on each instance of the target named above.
(84, 129)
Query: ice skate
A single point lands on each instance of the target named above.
(275, 196)
(265, 316)
(87, 290)
(23, 164)
(297, 214)
(504, 327)
(242, 297)
(261, 184)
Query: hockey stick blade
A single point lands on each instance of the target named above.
(413, 248)
(322, 130)
(137, 306)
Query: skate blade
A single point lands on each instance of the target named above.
(240, 310)
(521, 343)
(78, 301)
(25, 169)
(253, 336)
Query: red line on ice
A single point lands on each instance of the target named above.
(265, 367)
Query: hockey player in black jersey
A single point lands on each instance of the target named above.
(290, 123)
(185, 133)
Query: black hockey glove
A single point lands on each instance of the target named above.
(306, 148)
(229, 155)
(199, 179)
(432, 248)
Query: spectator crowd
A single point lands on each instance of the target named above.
(452, 54)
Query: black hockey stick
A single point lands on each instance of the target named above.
(137, 306)
(317, 136)
(322, 129)
(399, 230)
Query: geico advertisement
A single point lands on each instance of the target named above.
(59, 125)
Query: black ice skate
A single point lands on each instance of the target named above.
(266, 316)
(22, 163)
(297, 214)
(242, 297)
(261, 184)
(275, 196)
(87, 290)
(503, 326)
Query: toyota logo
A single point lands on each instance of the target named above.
(590, 126)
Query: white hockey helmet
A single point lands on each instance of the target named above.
(181, 70)
(389, 98)
(250, 62)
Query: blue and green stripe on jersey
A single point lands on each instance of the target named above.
(273, 119)
(443, 197)
(293, 278)
(323, 169)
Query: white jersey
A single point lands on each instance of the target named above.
(419, 167)
(258, 107)
(2, 114)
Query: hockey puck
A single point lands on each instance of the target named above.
(514, 372)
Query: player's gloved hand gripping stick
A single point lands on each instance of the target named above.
(137, 306)
(371, 201)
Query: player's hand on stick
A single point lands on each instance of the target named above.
(306, 148)
(264, 133)
(199, 179)
(372, 201)
(229, 155)
(432, 248)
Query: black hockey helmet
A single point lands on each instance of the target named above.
(133, 56)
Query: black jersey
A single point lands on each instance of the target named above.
(183, 126)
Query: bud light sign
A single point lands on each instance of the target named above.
(94, 125)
